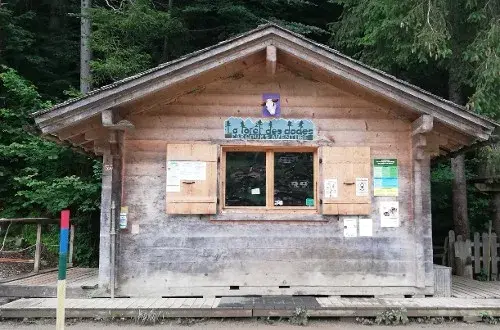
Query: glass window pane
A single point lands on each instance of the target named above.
(293, 179)
(245, 179)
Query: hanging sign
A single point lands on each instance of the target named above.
(385, 177)
(269, 129)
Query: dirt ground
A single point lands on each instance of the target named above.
(242, 324)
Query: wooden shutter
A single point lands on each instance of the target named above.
(194, 196)
(346, 164)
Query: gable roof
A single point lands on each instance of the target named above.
(78, 109)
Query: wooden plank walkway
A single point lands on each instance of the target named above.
(79, 282)
(239, 307)
(462, 287)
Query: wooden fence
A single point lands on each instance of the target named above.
(467, 258)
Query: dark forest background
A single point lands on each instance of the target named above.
(449, 47)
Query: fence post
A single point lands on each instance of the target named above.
(61, 283)
(477, 253)
(494, 257)
(38, 248)
(71, 244)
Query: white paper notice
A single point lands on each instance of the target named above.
(389, 214)
(173, 176)
(350, 227)
(190, 170)
(365, 227)
(135, 228)
(361, 187)
(331, 188)
(255, 191)
(178, 170)
(173, 188)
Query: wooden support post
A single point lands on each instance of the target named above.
(422, 125)
(71, 244)
(271, 60)
(105, 220)
(421, 202)
(116, 144)
(38, 248)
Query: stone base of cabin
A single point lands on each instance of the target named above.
(387, 292)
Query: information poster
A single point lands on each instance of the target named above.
(389, 214)
(385, 177)
(331, 188)
(350, 227)
(178, 170)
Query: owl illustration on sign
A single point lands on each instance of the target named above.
(271, 105)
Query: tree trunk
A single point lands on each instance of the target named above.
(460, 217)
(459, 184)
(496, 217)
(85, 52)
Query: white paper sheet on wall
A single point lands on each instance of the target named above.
(173, 173)
(362, 187)
(192, 170)
(365, 227)
(389, 214)
(178, 170)
(331, 188)
(350, 227)
(135, 229)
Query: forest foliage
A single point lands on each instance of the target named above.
(451, 48)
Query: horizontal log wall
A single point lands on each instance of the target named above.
(164, 255)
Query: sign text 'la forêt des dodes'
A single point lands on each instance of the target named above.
(269, 129)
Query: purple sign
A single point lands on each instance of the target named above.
(271, 106)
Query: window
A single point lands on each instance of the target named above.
(269, 178)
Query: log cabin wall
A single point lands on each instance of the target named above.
(184, 255)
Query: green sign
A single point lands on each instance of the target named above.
(269, 129)
(385, 177)
(309, 201)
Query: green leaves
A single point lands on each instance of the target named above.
(132, 39)
(38, 177)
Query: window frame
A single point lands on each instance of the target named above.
(269, 208)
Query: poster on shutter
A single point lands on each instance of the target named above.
(361, 187)
(365, 227)
(331, 188)
(191, 170)
(173, 176)
(350, 227)
(389, 214)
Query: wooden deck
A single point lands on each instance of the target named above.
(249, 307)
(80, 283)
(466, 288)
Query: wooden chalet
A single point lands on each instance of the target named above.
(267, 164)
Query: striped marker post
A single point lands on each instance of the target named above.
(61, 282)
